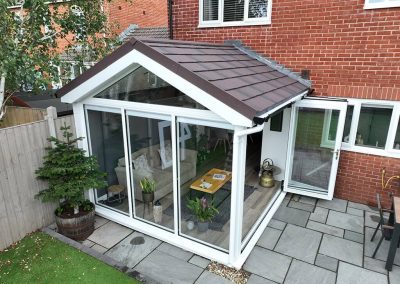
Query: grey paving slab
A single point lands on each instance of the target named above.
(371, 219)
(301, 206)
(88, 243)
(292, 216)
(308, 200)
(269, 238)
(346, 221)
(199, 261)
(319, 215)
(279, 225)
(354, 211)
(133, 249)
(175, 251)
(348, 273)
(165, 268)
(301, 272)
(362, 207)
(99, 248)
(255, 279)
(382, 253)
(353, 236)
(334, 204)
(208, 277)
(299, 242)
(99, 221)
(109, 234)
(342, 249)
(375, 265)
(327, 262)
(394, 275)
(327, 229)
(267, 264)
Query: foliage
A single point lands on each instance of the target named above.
(39, 258)
(147, 185)
(69, 172)
(202, 209)
(34, 33)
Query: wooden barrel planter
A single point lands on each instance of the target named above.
(76, 228)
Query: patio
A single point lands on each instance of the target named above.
(306, 242)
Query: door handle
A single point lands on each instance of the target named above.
(336, 154)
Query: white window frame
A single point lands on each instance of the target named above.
(382, 5)
(246, 21)
(388, 150)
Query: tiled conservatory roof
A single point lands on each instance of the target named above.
(241, 79)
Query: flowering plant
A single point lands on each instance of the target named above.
(202, 209)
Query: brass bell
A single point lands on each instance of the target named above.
(267, 174)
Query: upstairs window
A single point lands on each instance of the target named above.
(214, 13)
(376, 4)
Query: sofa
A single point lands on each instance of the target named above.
(158, 172)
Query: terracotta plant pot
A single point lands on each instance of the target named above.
(148, 197)
(202, 226)
(76, 228)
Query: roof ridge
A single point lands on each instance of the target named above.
(268, 61)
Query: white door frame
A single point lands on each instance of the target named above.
(319, 103)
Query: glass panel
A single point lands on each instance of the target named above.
(210, 10)
(258, 8)
(205, 172)
(256, 197)
(233, 10)
(151, 149)
(107, 145)
(373, 127)
(396, 144)
(312, 162)
(142, 86)
(347, 124)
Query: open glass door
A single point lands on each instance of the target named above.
(316, 131)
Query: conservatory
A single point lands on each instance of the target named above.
(196, 121)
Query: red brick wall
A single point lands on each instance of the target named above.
(145, 13)
(351, 52)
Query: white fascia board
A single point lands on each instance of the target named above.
(121, 68)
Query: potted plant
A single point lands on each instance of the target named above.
(148, 187)
(203, 211)
(70, 173)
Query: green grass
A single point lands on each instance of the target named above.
(39, 258)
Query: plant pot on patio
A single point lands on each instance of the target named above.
(77, 227)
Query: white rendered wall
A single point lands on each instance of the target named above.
(274, 144)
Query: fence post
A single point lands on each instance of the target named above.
(51, 115)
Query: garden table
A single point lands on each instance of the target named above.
(394, 219)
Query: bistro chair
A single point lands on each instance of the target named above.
(386, 229)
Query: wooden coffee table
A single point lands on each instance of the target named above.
(211, 182)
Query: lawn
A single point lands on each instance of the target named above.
(39, 258)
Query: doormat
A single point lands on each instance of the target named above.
(221, 198)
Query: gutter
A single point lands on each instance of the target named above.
(170, 19)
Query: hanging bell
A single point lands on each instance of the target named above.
(267, 175)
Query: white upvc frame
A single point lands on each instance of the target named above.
(123, 66)
(246, 20)
(381, 5)
(388, 150)
(318, 104)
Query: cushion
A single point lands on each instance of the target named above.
(142, 166)
(166, 155)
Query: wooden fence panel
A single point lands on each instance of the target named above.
(21, 152)
(22, 115)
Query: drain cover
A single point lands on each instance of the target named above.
(137, 241)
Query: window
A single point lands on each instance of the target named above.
(376, 4)
(373, 126)
(234, 12)
(69, 71)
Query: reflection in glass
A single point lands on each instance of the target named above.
(311, 161)
(107, 145)
(373, 127)
(347, 124)
(205, 171)
(151, 148)
(396, 144)
(142, 86)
